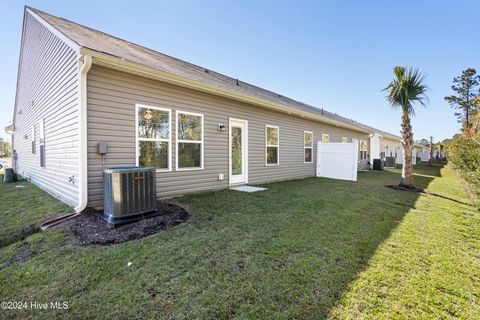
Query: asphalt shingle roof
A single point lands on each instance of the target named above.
(101, 42)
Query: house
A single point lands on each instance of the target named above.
(79, 88)
(383, 144)
(391, 146)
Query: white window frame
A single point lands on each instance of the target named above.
(306, 147)
(327, 136)
(360, 142)
(33, 145)
(41, 143)
(272, 145)
(344, 139)
(177, 141)
(138, 139)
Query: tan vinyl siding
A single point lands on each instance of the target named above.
(112, 96)
(48, 90)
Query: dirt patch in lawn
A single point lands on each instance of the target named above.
(22, 254)
(90, 229)
(20, 236)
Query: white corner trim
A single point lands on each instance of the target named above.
(72, 44)
(84, 65)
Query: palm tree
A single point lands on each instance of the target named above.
(406, 89)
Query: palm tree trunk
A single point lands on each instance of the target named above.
(407, 143)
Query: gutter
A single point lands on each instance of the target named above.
(85, 63)
(119, 63)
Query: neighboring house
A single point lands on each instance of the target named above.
(78, 87)
(390, 146)
(384, 144)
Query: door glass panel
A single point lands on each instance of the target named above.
(236, 150)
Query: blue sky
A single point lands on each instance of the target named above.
(332, 54)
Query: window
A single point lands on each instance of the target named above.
(325, 138)
(189, 141)
(272, 145)
(32, 139)
(153, 137)
(363, 149)
(344, 140)
(308, 146)
(41, 141)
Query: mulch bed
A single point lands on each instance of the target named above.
(402, 188)
(90, 229)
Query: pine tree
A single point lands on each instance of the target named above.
(466, 90)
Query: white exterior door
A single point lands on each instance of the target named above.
(238, 151)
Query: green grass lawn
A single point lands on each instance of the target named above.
(23, 207)
(310, 248)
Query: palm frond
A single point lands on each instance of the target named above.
(406, 89)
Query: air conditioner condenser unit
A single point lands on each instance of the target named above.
(129, 194)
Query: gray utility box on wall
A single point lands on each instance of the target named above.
(129, 192)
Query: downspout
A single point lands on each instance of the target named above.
(85, 62)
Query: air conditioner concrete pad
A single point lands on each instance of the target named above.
(248, 189)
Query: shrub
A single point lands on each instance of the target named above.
(464, 153)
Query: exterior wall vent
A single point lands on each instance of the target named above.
(129, 192)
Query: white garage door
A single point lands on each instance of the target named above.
(337, 160)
